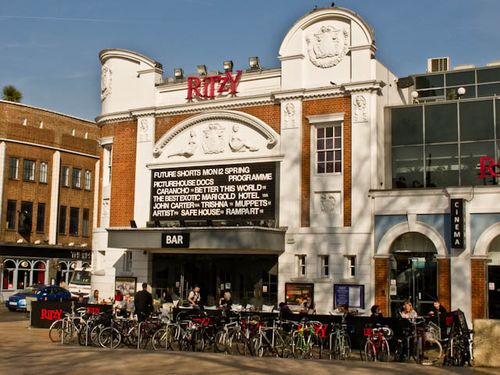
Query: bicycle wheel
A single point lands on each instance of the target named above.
(240, 343)
(159, 339)
(198, 341)
(342, 346)
(384, 353)
(370, 353)
(84, 336)
(110, 338)
(400, 351)
(432, 352)
(55, 331)
(220, 341)
(258, 346)
(300, 347)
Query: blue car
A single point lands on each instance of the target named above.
(40, 293)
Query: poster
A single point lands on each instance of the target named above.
(298, 293)
(350, 295)
(126, 285)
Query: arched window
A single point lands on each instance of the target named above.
(23, 274)
(9, 267)
(39, 269)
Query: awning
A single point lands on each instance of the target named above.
(223, 239)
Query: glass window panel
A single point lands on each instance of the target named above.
(469, 162)
(488, 90)
(452, 93)
(407, 166)
(321, 167)
(460, 78)
(329, 132)
(441, 123)
(321, 145)
(488, 75)
(476, 120)
(407, 126)
(430, 93)
(337, 143)
(441, 165)
(321, 156)
(338, 155)
(338, 166)
(329, 144)
(497, 111)
(338, 131)
(329, 156)
(321, 132)
(329, 168)
(429, 81)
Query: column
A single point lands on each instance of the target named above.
(479, 275)
(54, 197)
(382, 265)
(444, 282)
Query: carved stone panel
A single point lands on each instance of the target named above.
(291, 114)
(360, 109)
(106, 78)
(327, 45)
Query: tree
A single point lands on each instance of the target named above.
(11, 94)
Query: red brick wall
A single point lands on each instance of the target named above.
(322, 107)
(122, 171)
(382, 284)
(444, 282)
(478, 288)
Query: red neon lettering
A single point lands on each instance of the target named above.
(44, 315)
(483, 167)
(234, 82)
(193, 85)
(209, 84)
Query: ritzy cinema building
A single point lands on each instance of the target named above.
(276, 184)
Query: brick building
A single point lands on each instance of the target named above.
(48, 164)
(327, 179)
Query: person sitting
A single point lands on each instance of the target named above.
(285, 311)
(408, 311)
(225, 301)
(94, 298)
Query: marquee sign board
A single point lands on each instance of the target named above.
(457, 223)
(223, 192)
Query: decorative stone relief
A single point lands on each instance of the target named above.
(328, 203)
(328, 46)
(106, 74)
(289, 116)
(190, 147)
(360, 109)
(105, 208)
(213, 139)
(143, 130)
(237, 144)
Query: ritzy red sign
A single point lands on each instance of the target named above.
(212, 86)
(487, 165)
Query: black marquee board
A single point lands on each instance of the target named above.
(220, 192)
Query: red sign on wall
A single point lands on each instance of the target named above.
(212, 86)
(487, 165)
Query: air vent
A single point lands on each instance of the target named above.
(438, 64)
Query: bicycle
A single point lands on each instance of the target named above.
(376, 346)
(273, 340)
(339, 343)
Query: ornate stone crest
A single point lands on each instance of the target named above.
(213, 139)
(328, 203)
(328, 46)
(289, 116)
(237, 144)
(190, 148)
(143, 130)
(105, 82)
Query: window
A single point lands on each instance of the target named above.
(62, 219)
(25, 218)
(44, 172)
(127, 261)
(350, 266)
(329, 149)
(11, 215)
(301, 265)
(29, 170)
(108, 160)
(324, 261)
(65, 176)
(77, 178)
(85, 222)
(14, 168)
(40, 218)
(74, 217)
(88, 179)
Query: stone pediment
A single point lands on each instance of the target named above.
(217, 135)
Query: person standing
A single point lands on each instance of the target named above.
(94, 298)
(143, 302)
(408, 311)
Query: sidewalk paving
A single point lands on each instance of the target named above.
(25, 350)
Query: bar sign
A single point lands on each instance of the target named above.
(457, 223)
(175, 240)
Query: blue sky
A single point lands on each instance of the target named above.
(49, 48)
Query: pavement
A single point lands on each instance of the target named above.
(25, 350)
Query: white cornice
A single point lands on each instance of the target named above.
(49, 147)
(292, 57)
(365, 86)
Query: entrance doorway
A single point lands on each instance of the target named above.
(494, 279)
(413, 274)
(251, 279)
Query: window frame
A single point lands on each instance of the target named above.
(85, 228)
(16, 177)
(76, 183)
(88, 180)
(40, 225)
(326, 125)
(13, 226)
(32, 171)
(324, 267)
(350, 267)
(73, 229)
(65, 176)
(62, 223)
(301, 265)
(43, 175)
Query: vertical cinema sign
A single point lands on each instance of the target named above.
(457, 223)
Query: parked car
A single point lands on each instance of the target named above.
(40, 293)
